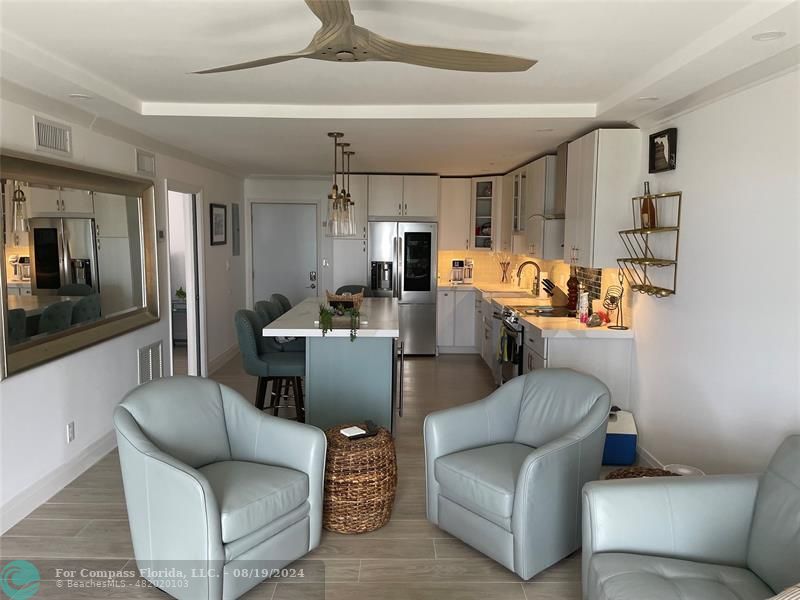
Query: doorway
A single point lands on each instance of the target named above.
(185, 263)
(284, 250)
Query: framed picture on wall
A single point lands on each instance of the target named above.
(663, 150)
(219, 224)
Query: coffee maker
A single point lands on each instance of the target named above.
(457, 272)
(469, 269)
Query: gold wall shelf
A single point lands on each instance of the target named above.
(642, 258)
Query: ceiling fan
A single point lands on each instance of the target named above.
(341, 40)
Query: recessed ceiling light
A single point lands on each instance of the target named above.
(647, 98)
(80, 96)
(768, 36)
(545, 130)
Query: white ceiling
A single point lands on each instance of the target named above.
(595, 60)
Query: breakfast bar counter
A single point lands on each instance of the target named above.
(347, 380)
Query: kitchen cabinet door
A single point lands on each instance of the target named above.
(541, 187)
(41, 201)
(77, 202)
(349, 262)
(464, 334)
(445, 318)
(454, 214)
(111, 216)
(505, 224)
(478, 331)
(359, 190)
(385, 195)
(485, 221)
(572, 213)
(545, 238)
(420, 196)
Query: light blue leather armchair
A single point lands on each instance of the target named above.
(723, 537)
(504, 474)
(214, 485)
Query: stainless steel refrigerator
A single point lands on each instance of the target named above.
(402, 264)
(63, 251)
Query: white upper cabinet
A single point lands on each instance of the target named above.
(544, 238)
(412, 196)
(420, 196)
(541, 184)
(44, 201)
(485, 210)
(602, 176)
(385, 195)
(454, 214)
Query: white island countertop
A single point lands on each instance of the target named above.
(379, 318)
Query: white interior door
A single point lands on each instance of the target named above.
(284, 251)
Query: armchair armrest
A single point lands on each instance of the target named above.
(492, 420)
(172, 511)
(694, 518)
(258, 437)
(546, 519)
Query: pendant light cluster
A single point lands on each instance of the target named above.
(341, 215)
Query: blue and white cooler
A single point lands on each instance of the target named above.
(620, 448)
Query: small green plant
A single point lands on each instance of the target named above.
(325, 318)
(354, 322)
(180, 293)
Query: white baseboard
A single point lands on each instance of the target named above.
(222, 359)
(647, 458)
(457, 350)
(28, 500)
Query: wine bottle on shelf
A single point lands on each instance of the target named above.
(648, 209)
(572, 289)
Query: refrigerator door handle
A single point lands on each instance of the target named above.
(400, 269)
(66, 268)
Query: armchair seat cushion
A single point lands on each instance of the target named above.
(251, 495)
(483, 480)
(619, 576)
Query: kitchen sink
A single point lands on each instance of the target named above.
(542, 311)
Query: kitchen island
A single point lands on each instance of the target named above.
(347, 381)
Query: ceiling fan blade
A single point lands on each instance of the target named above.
(382, 48)
(332, 13)
(254, 63)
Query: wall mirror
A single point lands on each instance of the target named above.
(79, 258)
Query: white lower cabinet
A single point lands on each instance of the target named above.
(455, 321)
(608, 359)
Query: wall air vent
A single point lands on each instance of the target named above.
(145, 163)
(150, 364)
(52, 137)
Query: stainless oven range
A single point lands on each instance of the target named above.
(511, 346)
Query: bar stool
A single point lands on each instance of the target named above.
(282, 301)
(269, 310)
(262, 358)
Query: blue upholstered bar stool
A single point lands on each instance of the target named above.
(269, 310)
(353, 289)
(56, 317)
(262, 357)
(282, 301)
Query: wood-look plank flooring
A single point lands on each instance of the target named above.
(85, 524)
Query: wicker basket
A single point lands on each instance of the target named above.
(635, 472)
(360, 482)
(346, 300)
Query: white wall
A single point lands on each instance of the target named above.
(716, 365)
(84, 387)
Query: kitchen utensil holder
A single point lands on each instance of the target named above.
(642, 259)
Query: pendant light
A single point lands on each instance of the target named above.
(19, 211)
(351, 223)
(333, 196)
(343, 224)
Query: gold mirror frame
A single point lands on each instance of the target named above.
(51, 172)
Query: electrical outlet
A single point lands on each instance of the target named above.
(71, 432)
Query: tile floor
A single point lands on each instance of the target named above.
(85, 524)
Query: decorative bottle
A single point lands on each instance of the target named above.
(648, 209)
(572, 289)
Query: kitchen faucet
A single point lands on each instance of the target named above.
(535, 286)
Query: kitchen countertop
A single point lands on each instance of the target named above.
(484, 287)
(379, 318)
(563, 327)
(34, 305)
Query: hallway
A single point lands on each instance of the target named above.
(85, 525)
